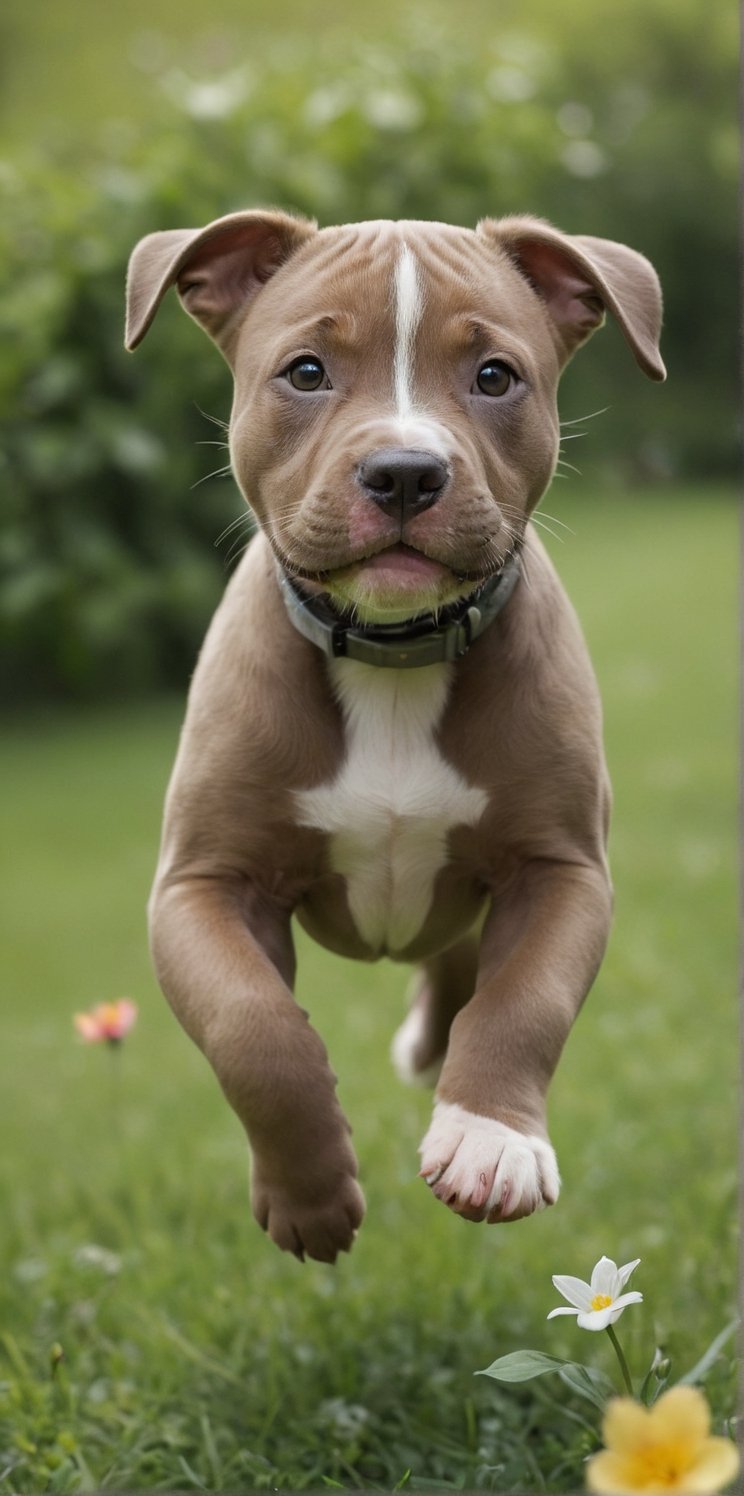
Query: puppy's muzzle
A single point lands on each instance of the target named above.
(403, 481)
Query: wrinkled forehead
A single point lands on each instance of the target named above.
(386, 272)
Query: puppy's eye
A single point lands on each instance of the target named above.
(307, 374)
(495, 378)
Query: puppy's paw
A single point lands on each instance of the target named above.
(311, 1221)
(484, 1170)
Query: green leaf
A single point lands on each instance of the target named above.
(522, 1366)
(587, 1382)
(655, 1380)
(650, 1393)
(706, 1361)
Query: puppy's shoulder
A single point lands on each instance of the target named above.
(541, 629)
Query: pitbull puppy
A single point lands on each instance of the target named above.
(393, 732)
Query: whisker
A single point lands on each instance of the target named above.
(239, 546)
(235, 524)
(542, 525)
(554, 518)
(236, 552)
(539, 518)
(289, 511)
(214, 419)
(591, 417)
(222, 472)
(526, 572)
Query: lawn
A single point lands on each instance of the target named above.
(195, 1356)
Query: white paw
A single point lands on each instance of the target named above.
(483, 1169)
(404, 1049)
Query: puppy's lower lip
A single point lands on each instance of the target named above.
(405, 564)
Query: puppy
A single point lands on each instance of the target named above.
(393, 733)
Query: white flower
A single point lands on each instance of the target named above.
(600, 1302)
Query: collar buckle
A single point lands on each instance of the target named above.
(338, 640)
(467, 631)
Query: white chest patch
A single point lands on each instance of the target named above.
(394, 799)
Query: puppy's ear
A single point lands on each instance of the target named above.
(217, 270)
(579, 278)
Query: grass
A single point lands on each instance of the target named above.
(195, 1356)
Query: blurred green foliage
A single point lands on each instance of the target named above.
(108, 570)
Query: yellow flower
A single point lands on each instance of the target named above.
(664, 1448)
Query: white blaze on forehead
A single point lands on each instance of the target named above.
(414, 427)
(408, 308)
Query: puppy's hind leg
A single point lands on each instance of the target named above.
(439, 989)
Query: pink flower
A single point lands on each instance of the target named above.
(107, 1021)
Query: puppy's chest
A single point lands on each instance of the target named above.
(390, 807)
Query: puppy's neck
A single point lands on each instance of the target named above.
(428, 639)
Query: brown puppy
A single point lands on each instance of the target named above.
(393, 732)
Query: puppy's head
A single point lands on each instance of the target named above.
(394, 420)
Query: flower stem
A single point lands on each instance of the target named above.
(621, 1359)
(114, 1048)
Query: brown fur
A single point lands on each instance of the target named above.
(522, 720)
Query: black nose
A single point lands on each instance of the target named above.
(403, 480)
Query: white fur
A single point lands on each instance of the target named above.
(406, 1042)
(476, 1162)
(408, 308)
(414, 427)
(394, 800)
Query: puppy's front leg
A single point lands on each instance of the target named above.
(224, 958)
(487, 1154)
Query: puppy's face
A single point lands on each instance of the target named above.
(394, 420)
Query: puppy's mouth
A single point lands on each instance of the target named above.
(403, 563)
(395, 584)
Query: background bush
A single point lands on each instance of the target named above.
(108, 568)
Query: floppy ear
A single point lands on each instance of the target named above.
(579, 278)
(217, 269)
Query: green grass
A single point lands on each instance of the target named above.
(195, 1355)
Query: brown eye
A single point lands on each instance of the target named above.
(307, 374)
(494, 378)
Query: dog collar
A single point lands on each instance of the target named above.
(427, 640)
